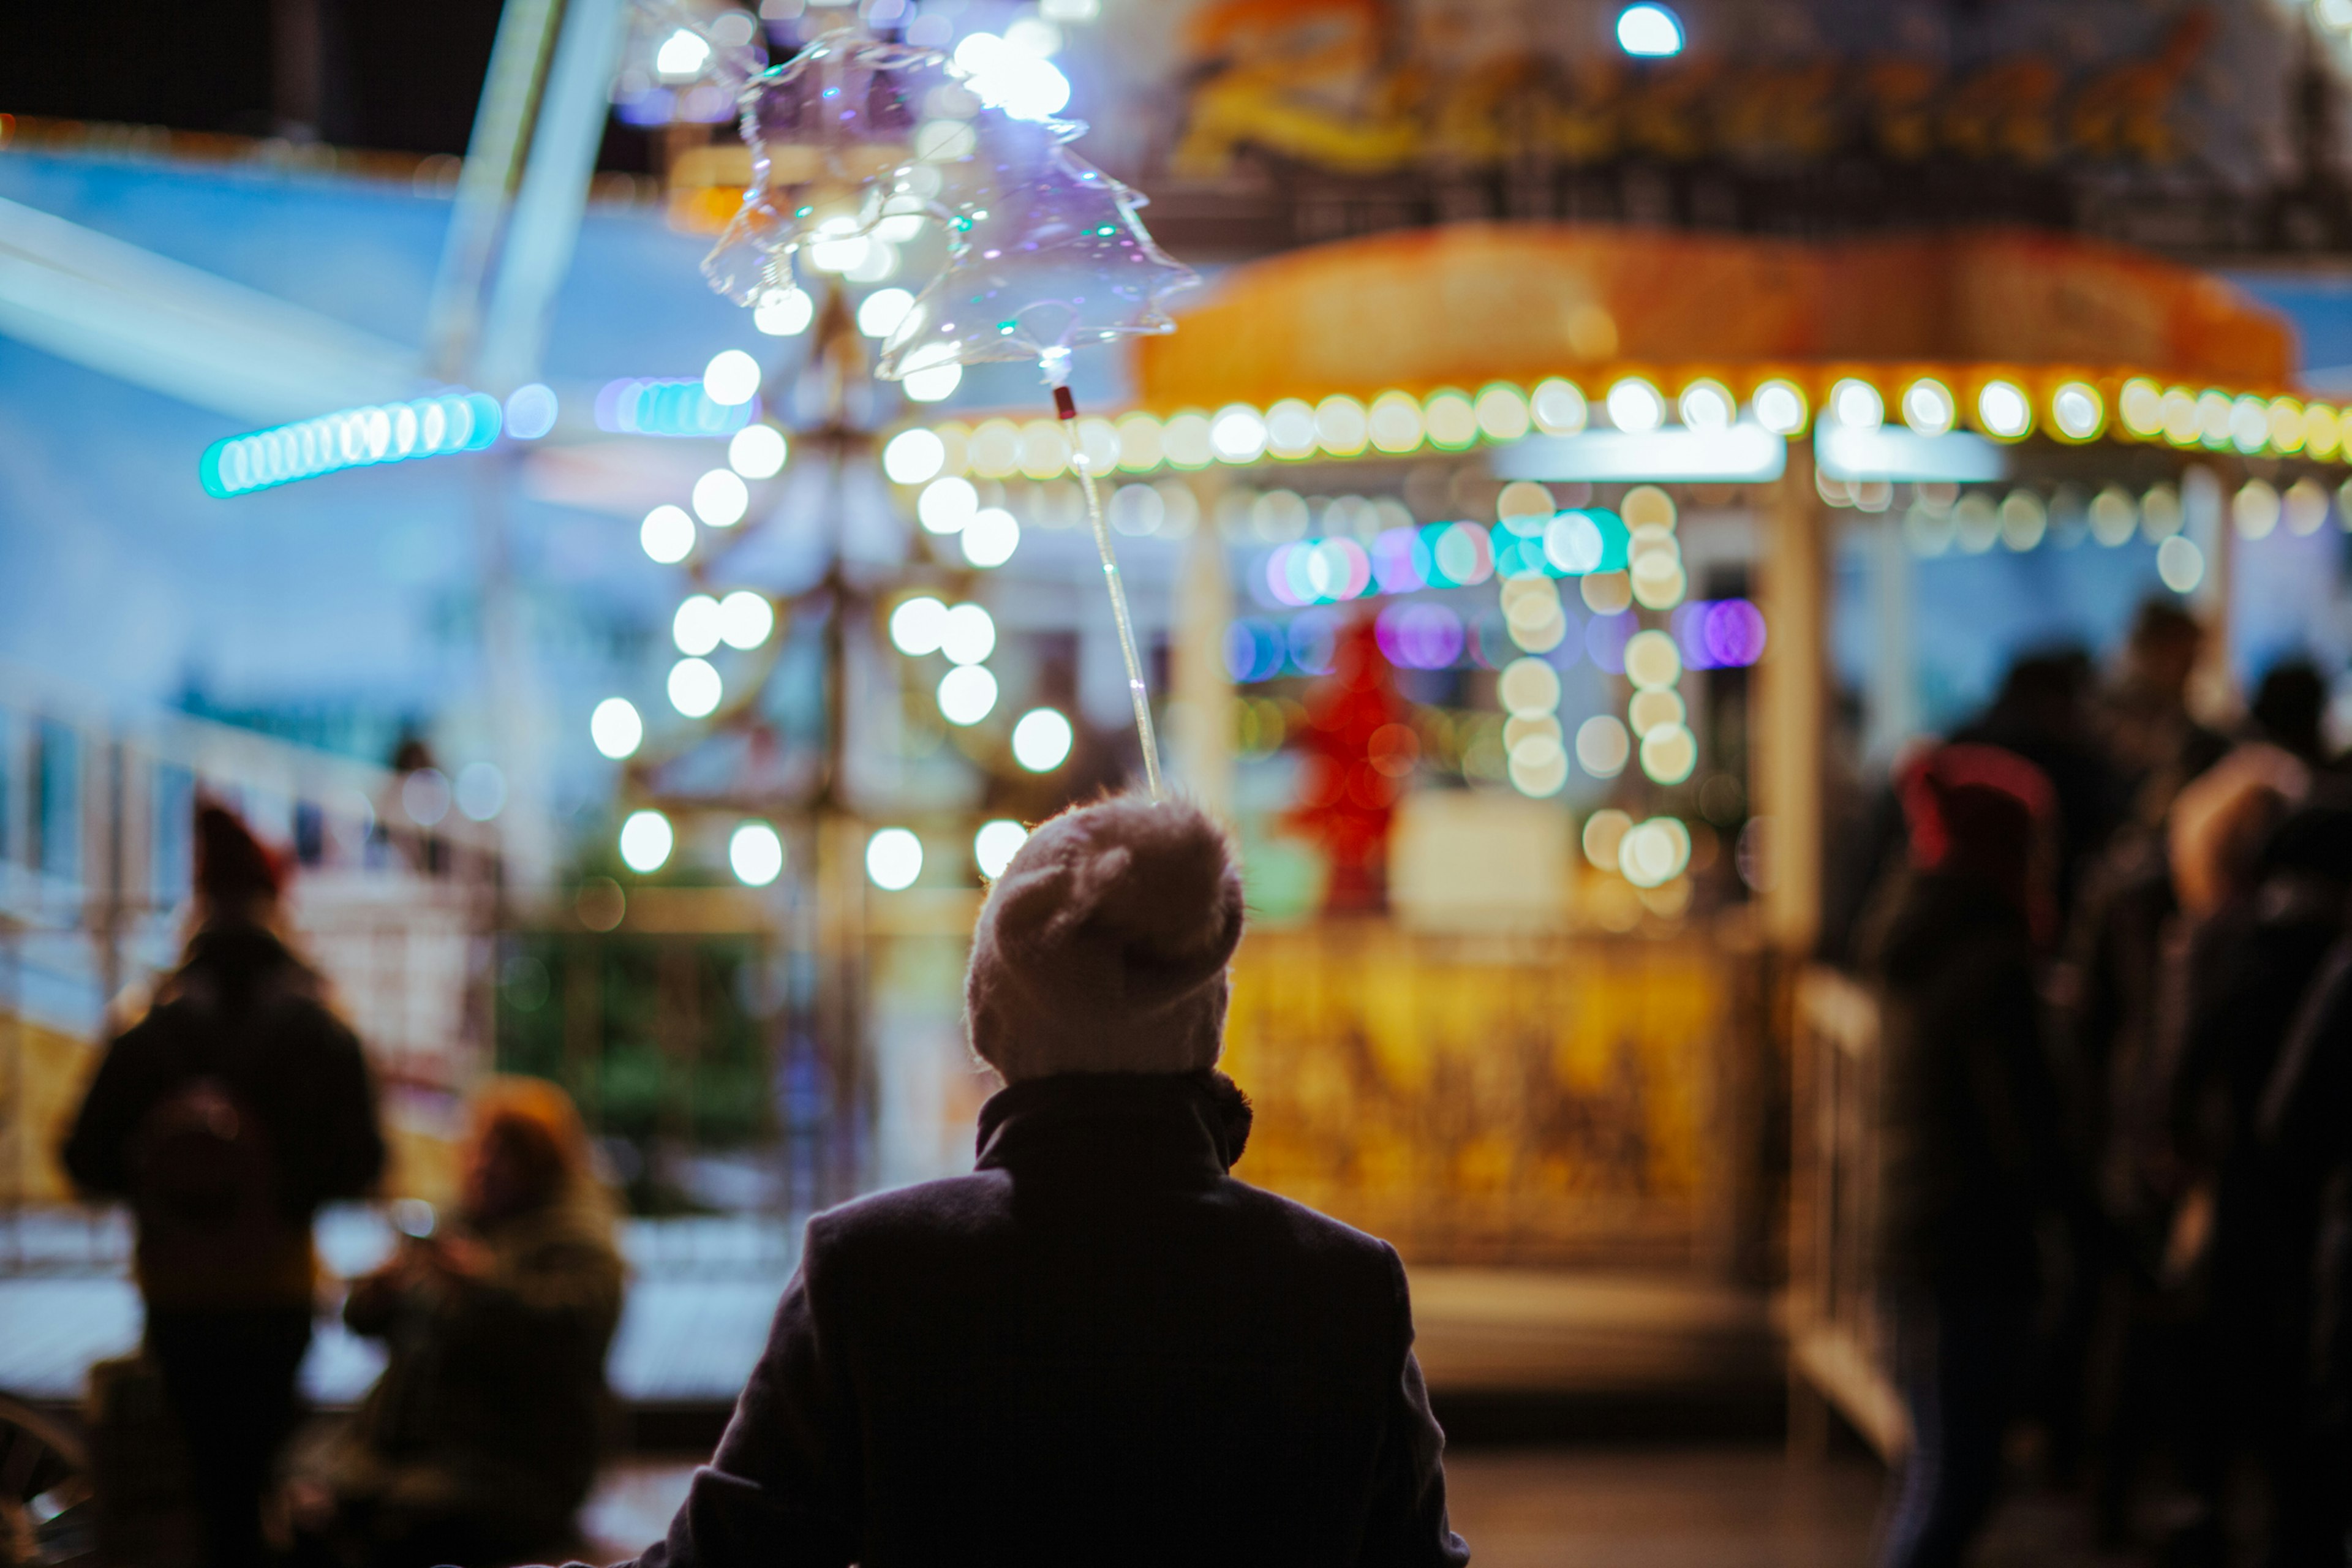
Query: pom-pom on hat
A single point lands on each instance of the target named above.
(1103, 947)
(233, 866)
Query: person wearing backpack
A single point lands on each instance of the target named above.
(226, 1114)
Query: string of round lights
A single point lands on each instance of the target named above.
(2002, 405)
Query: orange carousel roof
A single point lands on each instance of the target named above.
(1471, 304)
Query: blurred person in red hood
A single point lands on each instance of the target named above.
(1972, 1149)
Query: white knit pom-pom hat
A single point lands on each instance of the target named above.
(1103, 947)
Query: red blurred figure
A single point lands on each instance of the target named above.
(1359, 748)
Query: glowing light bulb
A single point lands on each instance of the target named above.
(721, 498)
(1927, 407)
(730, 378)
(1649, 32)
(2078, 410)
(681, 56)
(933, 383)
(758, 452)
(991, 537)
(1707, 406)
(755, 852)
(967, 634)
(1602, 748)
(1635, 407)
(645, 840)
(967, 693)
(745, 618)
(918, 626)
(616, 727)
(695, 628)
(1042, 740)
(995, 845)
(2004, 410)
(694, 687)
(783, 312)
(911, 456)
(668, 534)
(881, 312)
(894, 858)
(1857, 405)
(947, 505)
(1780, 407)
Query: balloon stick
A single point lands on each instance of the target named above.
(1067, 407)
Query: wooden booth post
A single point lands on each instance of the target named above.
(1788, 732)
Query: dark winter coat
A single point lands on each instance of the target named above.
(2250, 968)
(2115, 1071)
(245, 1010)
(1972, 1149)
(2306, 1124)
(1099, 1348)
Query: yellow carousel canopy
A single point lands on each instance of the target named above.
(1467, 304)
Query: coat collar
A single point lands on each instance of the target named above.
(1186, 1129)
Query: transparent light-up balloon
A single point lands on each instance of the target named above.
(1045, 251)
(828, 130)
(679, 65)
(1046, 255)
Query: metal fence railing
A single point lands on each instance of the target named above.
(1839, 1340)
(95, 853)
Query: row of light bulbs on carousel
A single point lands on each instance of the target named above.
(1396, 422)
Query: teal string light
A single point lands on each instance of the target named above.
(353, 438)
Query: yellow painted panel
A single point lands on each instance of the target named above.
(1547, 1105)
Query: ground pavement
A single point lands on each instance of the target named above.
(1644, 1507)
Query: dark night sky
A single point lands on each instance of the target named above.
(398, 74)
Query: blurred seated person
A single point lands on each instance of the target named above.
(479, 1442)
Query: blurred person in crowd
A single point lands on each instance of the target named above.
(1099, 1348)
(2307, 1129)
(479, 1442)
(2042, 714)
(233, 1108)
(2113, 1345)
(1973, 1154)
(2288, 710)
(2149, 737)
(2277, 865)
(419, 787)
